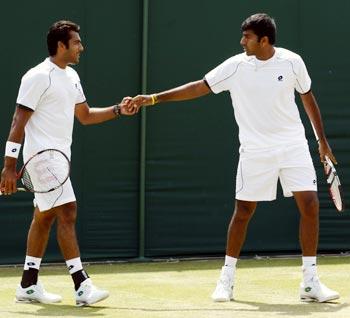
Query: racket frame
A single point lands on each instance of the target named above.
(332, 177)
(21, 172)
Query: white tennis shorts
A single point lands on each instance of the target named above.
(60, 196)
(258, 173)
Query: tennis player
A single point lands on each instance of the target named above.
(262, 82)
(49, 96)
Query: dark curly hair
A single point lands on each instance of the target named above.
(262, 25)
(60, 31)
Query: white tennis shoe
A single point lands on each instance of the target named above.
(224, 287)
(89, 294)
(36, 294)
(315, 291)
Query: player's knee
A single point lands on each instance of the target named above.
(310, 206)
(43, 219)
(67, 214)
(43, 223)
(244, 211)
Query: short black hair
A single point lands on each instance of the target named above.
(262, 25)
(60, 31)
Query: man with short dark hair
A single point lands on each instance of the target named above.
(262, 82)
(49, 97)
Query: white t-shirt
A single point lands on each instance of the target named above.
(263, 99)
(52, 92)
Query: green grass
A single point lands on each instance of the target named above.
(264, 288)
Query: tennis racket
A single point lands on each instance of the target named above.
(333, 181)
(334, 184)
(44, 172)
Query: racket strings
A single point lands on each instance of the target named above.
(26, 180)
(333, 181)
(46, 171)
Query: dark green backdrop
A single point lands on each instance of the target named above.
(191, 147)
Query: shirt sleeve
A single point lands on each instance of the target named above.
(80, 94)
(32, 88)
(303, 80)
(219, 79)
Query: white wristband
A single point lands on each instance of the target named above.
(12, 149)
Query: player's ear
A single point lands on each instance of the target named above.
(264, 41)
(61, 46)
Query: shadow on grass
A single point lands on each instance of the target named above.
(61, 311)
(294, 310)
(301, 309)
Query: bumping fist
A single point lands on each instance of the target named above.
(142, 100)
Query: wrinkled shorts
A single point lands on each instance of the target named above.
(258, 173)
(60, 196)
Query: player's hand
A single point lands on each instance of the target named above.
(139, 101)
(325, 150)
(8, 184)
(125, 109)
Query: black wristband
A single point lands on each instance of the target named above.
(117, 110)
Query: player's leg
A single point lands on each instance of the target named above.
(298, 178)
(256, 180)
(65, 209)
(86, 292)
(38, 236)
(39, 232)
(236, 234)
(311, 288)
(68, 243)
(66, 235)
(308, 205)
(30, 290)
(237, 229)
(46, 207)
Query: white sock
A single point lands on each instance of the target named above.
(309, 261)
(309, 267)
(74, 265)
(32, 262)
(230, 261)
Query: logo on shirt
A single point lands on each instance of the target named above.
(14, 150)
(280, 78)
(77, 87)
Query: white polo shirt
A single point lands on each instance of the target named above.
(52, 93)
(263, 99)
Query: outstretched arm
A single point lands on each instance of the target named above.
(314, 114)
(190, 90)
(95, 115)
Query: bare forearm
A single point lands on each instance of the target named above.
(184, 92)
(315, 117)
(188, 91)
(16, 134)
(313, 112)
(316, 120)
(97, 115)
